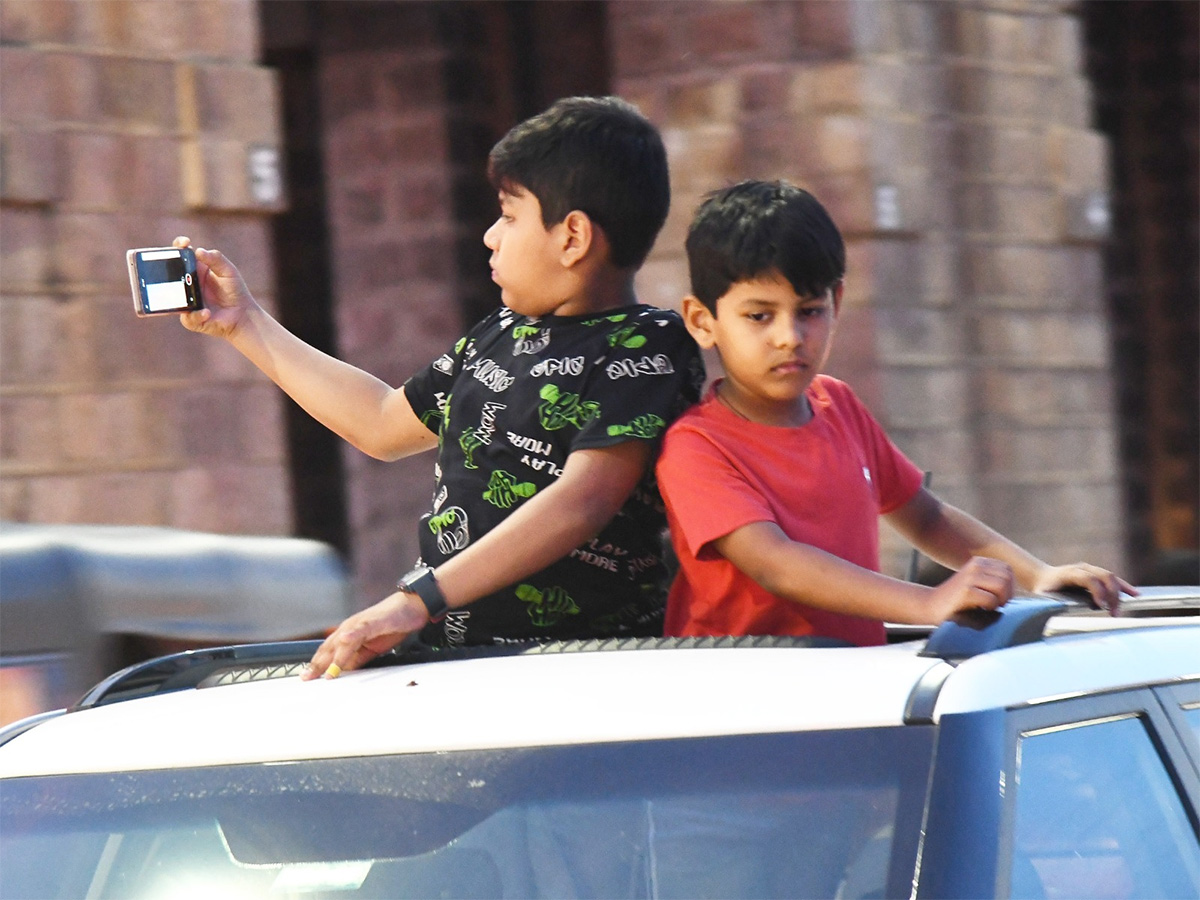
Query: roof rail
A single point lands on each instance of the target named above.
(258, 662)
(975, 631)
(188, 669)
(20, 726)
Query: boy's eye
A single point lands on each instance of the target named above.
(812, 312)
(757, 316)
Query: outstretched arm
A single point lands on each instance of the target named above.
(805, 574)
(371, 415)
(950, 536)
(592, 488)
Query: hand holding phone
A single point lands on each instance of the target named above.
(163, 280)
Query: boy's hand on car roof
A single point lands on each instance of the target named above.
(366, 634)
(1104, 587)
(982, 583)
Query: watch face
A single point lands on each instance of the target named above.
(422, 583)
(415, 579)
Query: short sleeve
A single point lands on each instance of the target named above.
(897, 478)
(726, 503)
(649, 372)
(428, 389)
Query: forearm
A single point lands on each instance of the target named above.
(357, 406)
(546, 527)
(803, 574)
(592, 488)
(951, 537)
(954, 538)
(533, 537)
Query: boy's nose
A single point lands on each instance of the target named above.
(489, 236)
(790, 331)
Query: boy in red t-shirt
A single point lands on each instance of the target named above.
(775, 482)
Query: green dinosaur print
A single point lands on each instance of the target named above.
(462, 342)
(548, 607)
(627, 337)
(469, 443)
(503, 489)
(648, 426)
(524, 331)
(445, 421)
(619, 317)
(559, 410)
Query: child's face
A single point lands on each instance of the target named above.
(772, 343)
(525, 256)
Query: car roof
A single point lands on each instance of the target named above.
(655, 690)
(482, 703)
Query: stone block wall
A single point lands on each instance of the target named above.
(1032, 207)
(390, 182)
(125, 124)
(950, 142)
(413, 96)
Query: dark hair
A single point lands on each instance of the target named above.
(599, 155)
(756, 227)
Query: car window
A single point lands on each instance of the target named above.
(1191, 713)
(1098, 815)
(813, 814)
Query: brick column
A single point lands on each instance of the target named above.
(1032, 196)
(390, 178)
(126, 124)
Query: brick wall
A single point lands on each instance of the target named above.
(950, 141)
(125, 124)
(1032, 205)
(390, 180)
(413, 96)
(951, 144)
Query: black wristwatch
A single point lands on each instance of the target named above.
(420, 581)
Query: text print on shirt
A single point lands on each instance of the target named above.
(569, 365)
(490, 375)
(659, 364)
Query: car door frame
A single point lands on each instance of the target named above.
(1164, 725)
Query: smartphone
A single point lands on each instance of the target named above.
(163, 280)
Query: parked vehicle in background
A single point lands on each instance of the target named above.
(78, 601)
(1035, 752)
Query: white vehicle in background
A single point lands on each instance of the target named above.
(1040, 751)
(79, 601)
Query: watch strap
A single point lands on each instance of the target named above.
(420, 581)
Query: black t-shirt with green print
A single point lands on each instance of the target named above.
(509, 403)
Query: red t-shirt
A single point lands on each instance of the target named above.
(824, 483)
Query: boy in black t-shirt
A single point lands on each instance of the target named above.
(545, 519)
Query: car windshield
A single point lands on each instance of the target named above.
(827, 813)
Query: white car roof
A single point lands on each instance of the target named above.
(581, 697)
(482, 703)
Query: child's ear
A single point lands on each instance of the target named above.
(837, 290)
(699, 321)
(579, 233)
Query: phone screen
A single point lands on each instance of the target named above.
(164, 280)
